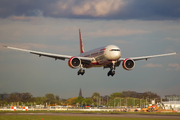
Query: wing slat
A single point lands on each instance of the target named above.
(51, 55)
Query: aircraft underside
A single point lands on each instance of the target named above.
(110, 65)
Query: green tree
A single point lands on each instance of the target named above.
(57, 97)
(64, 101)
(79, 100)
(13, 98)
(114, 95)
(40, 100)
(50, 96)
(88, 101)
(72, 101)
(83, 101)
(130, 94)
(95, 94)
(24, 97)
(95, 97)
(150, 95)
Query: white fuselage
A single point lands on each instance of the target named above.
(103, 55)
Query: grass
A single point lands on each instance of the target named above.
(89, 112)
(45, 117)
(54, 117)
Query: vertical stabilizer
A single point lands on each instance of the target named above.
(81, 43)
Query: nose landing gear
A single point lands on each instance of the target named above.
(112, 68)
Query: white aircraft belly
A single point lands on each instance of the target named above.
(101, 59)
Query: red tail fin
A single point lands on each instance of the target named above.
(81, 43)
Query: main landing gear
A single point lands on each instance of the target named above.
(111, 73)
(81, 71)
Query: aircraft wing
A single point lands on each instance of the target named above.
(147, 57)
(51, 55)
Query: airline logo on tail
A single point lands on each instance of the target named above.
(81, 43)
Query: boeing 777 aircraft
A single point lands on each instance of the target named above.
(106, 57)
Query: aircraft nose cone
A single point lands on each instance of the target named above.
(116, 55)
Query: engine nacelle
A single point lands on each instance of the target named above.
(128, 64)
(74, 62)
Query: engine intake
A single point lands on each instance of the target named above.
(74, 62)
(128, 64)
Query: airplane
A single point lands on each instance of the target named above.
(107, 57)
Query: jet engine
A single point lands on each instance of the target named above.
(128, 64)
(74, 62)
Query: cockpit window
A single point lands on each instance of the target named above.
(115, 50)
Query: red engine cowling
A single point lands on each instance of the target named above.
(128, 64)
(74, 62)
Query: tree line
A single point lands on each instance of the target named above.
(28, 98)
(95, 99)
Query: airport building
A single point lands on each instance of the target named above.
(174, 105)
(172, 102)
(172, 97)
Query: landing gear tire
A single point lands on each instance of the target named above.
(81, 72)
(111, 73)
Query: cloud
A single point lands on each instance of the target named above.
(98, 8)
(117, 32)
(173, 66)
(93, 9)
(152, 65)
(23, 18)
(172, 39)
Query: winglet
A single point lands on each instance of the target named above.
(81, 43)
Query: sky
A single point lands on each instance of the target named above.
(138, 27)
